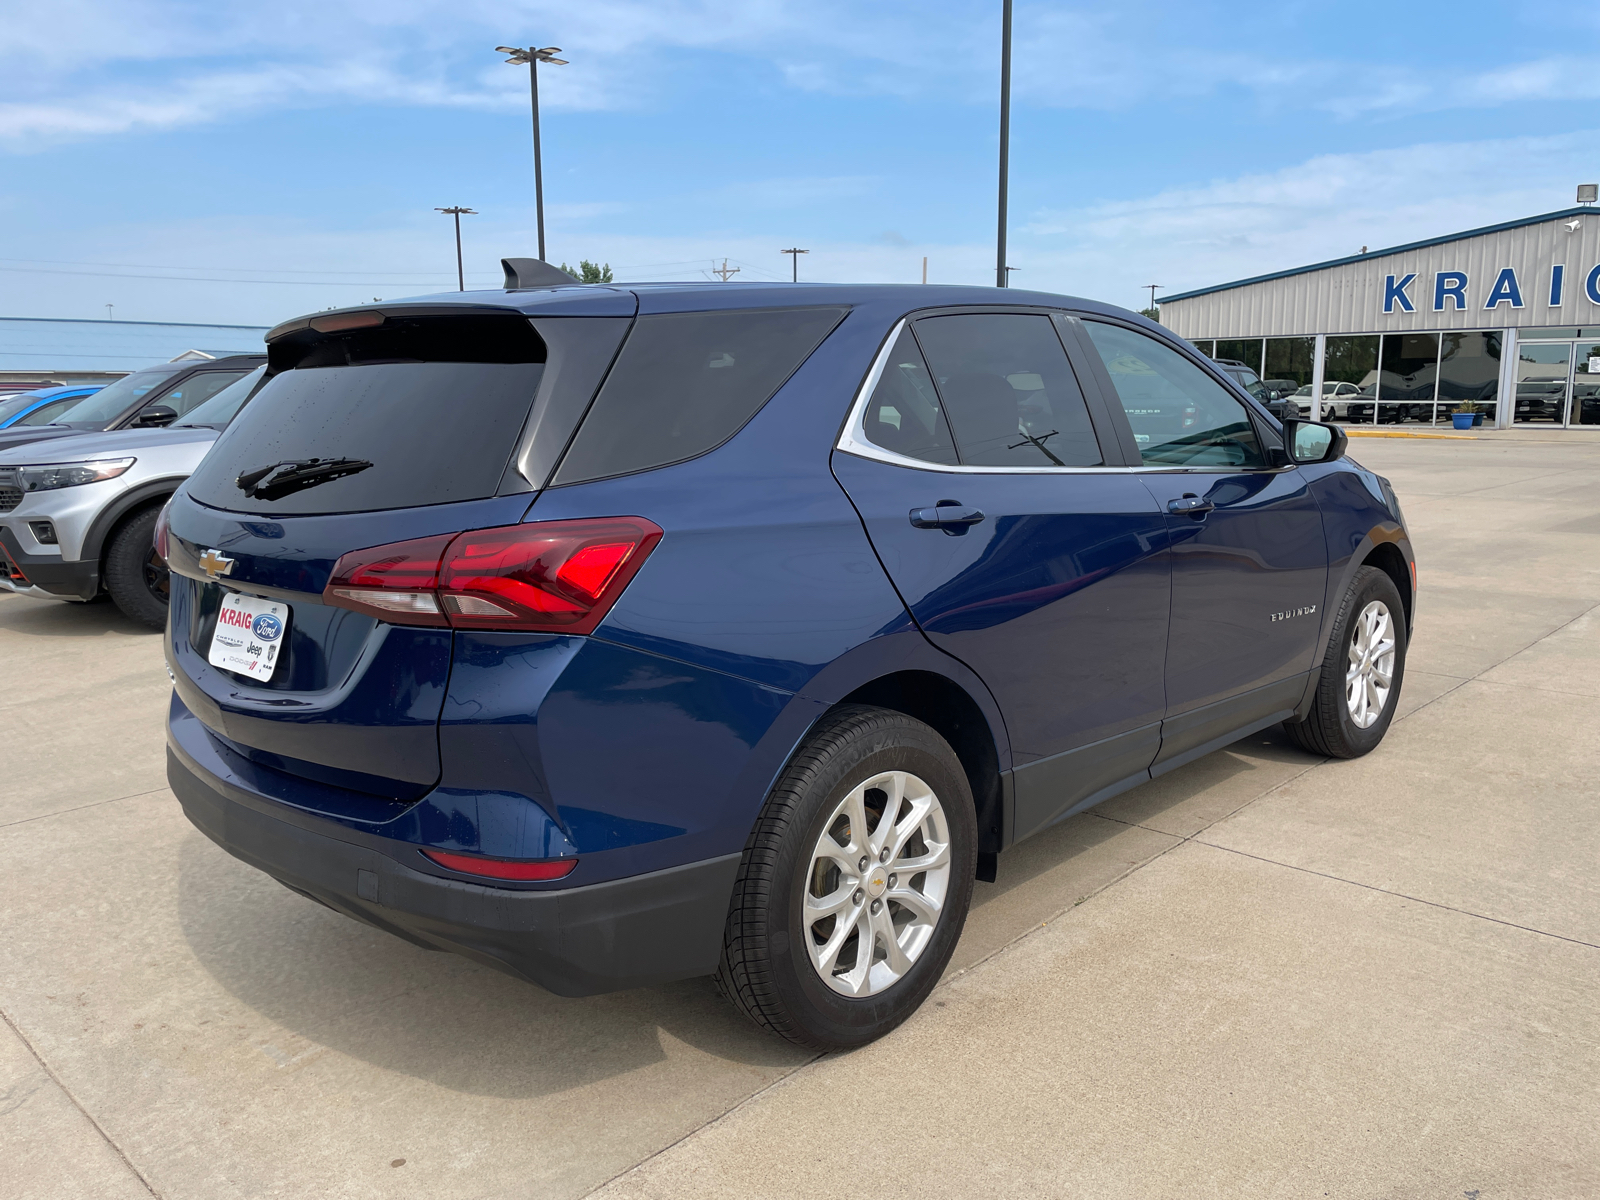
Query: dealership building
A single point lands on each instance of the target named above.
(1504, 319)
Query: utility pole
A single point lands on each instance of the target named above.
(924, 268)
(461, 275)
(531, 58)
(794, 257)
(1153, 287)
(725, 271)
(109, 317)
(1001, 279)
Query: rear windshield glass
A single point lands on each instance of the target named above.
(687, 382)
(111, 401)
(389, 428)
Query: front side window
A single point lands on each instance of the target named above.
(106, 405)
(1180, 415)
(903, 414)
(197, 389)
(1008, 390)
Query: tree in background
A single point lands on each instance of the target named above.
(589, 272)
(1153, 313)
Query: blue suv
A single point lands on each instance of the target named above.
(612, 635)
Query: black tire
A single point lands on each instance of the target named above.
(767, 970)
(135, 577)
(1330, 728)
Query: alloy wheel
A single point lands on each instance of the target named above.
(876, 889)
(1371, 672)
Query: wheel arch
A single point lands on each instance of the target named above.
(1389, 559)
(945, 706)
(98, 538)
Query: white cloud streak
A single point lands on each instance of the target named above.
(88, 68)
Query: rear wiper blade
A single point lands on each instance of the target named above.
(291, 475)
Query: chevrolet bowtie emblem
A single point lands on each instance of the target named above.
(214, 564)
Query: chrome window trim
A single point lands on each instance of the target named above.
(853, 439)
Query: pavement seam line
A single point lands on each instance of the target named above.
(716, 1120)
(1372, 887)
(92, 804)
(67, 1092)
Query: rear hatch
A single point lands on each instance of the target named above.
(374, 427)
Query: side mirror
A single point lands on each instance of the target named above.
(155, 416)
(1307, 442)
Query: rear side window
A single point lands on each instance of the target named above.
(1009, 391)
(687, 382)
(411, 429)
(903, 414)
(46, 413)
(1180, 415)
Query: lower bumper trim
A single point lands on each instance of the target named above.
(582, 941)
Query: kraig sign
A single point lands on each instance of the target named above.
(1450, 290)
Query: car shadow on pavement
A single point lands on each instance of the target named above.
(333, 982)
(31, 617)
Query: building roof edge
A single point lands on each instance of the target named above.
(1388, 250)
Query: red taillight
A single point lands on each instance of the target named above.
(551, 576)
(395, 582)
(504, 868)
(162, 539)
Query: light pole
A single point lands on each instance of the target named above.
(1001, 279)
(794, 253)
(461, 275)
(531, 59)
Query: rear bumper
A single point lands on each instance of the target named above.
(579, 941)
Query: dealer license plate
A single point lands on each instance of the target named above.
(249, 635)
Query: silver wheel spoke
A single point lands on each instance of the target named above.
(1370, 677)
(924, 909)
(858, 951)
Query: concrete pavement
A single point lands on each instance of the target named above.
(1262, 975)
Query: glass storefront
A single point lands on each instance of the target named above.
(1352, 360)
(1245, 350)
(1290, 359)
(1469, 373)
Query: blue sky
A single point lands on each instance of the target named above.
(237, 162)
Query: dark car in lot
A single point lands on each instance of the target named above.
(613, 635)
(146, 399)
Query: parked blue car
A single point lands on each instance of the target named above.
(44, 405)
(611, 635)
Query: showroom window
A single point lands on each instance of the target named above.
(1408, 375)
(1245, 350)
(1289, 358)
(1353, 360)
(1469, 370)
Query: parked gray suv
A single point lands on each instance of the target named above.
(78, 514)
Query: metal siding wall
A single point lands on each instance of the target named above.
(1349, 299)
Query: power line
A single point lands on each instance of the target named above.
(73, 262)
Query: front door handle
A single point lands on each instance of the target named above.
(946, 516)
(1190, 505)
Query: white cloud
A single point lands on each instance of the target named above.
(1326, 207)
(86, 68)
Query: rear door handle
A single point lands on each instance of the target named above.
(946, 516)
(1191, 505)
